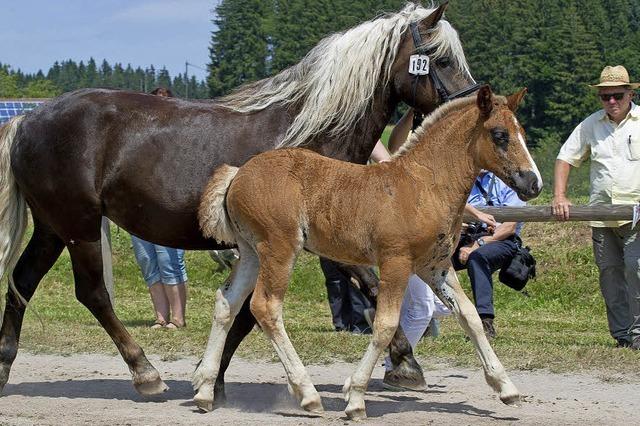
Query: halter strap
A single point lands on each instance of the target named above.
(440, 88)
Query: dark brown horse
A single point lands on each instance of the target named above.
(144, 160)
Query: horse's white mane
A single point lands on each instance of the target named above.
(335, 82)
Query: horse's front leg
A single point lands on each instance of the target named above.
(445, 284)
(86, 260)
(229, 300)
(394, 274)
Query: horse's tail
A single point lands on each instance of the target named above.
(212, 213)
(13, 207)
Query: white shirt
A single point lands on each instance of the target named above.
(615, 158)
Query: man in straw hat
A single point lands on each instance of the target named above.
(611, 137)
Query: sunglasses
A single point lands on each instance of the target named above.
(616, 96)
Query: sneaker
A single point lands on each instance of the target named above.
(635, 344)
(489, 328)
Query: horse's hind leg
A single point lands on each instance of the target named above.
(446, 285)
(41, 253)
(86, 260)
(276, 264)
(229, 299)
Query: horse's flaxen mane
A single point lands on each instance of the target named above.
(335, 82)
(431, 119)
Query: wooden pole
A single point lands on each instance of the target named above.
(543, 213)
(107, 261)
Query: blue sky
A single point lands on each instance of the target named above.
(36, 33)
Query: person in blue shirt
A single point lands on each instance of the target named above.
(485, 255)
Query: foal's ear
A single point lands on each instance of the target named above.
(514, 100)
(435, 17)
(485, 100)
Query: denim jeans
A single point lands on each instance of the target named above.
(159, 263)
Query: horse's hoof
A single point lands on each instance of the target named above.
(400, 379)
(150, 388)
(204, 397)
(4, 376)
(356, 414)
(313, 405)
(512, 399)
(219, 396)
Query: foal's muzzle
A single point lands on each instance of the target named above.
(526, 184)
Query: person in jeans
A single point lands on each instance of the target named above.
(489, 253)
(164, 272)
(611, 138)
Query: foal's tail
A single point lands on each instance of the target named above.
(212, 213)
(13, 207)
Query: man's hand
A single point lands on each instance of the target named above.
(486, 218)
(560, 207)
(466, 251)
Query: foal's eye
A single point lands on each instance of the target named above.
(443, 62)
(500, 137)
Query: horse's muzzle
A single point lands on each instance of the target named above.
(527, 184)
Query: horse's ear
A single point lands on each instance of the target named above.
(435, 17)
(485, 100)
(514, 100)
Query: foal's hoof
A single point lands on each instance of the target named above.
(204, 397)
(313, 406)
(512, 399)
(356, 414)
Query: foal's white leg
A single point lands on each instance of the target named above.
(447, 287)
(276, 264)
(229, 300)
(394, 276)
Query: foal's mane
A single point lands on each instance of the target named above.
(431, 119)
(335, 82)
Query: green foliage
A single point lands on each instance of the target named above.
(68, 75)
(238, 48)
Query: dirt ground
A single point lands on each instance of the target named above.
(96, 389)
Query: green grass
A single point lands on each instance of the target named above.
(560, 326)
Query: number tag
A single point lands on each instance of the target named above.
(419, 65)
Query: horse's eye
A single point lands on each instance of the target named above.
(443, 62)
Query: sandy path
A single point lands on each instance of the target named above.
(96, 389)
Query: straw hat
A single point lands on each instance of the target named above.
(615, 76)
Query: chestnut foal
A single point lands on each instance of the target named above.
(404, 216)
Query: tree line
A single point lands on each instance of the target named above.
(552, 47)
(68, 75)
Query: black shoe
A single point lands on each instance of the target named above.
(622, 343)
(489, 329)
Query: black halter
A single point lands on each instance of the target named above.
(440, 88)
